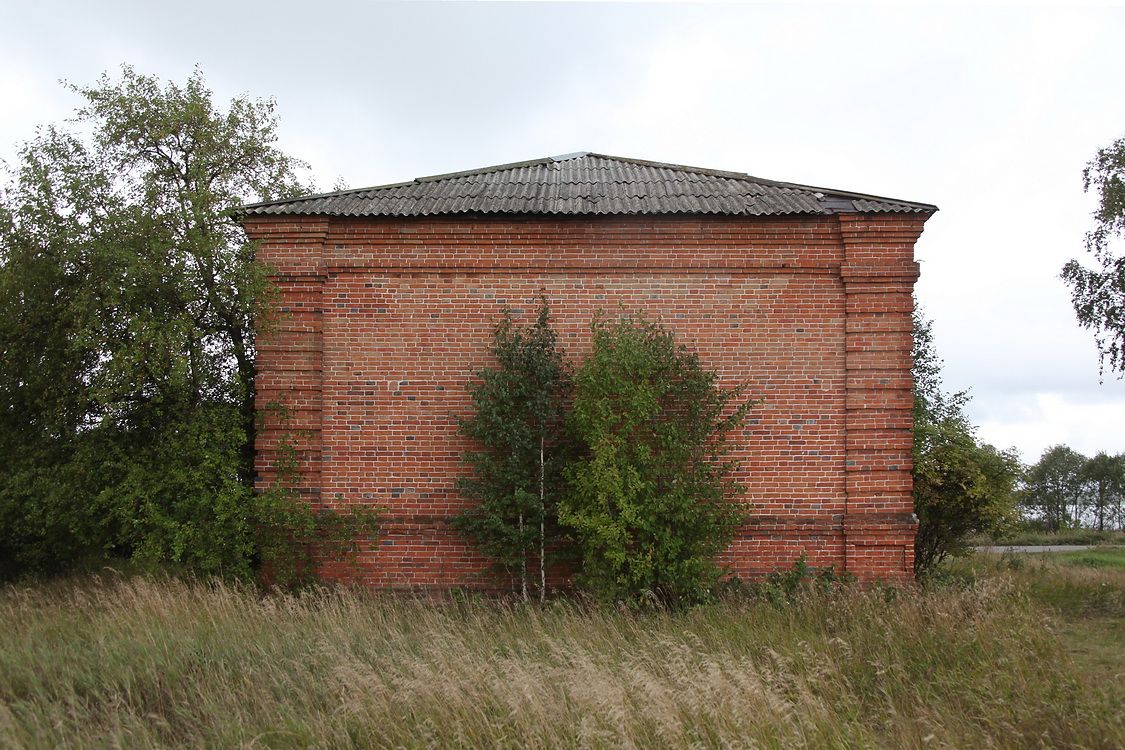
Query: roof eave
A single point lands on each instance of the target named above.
(914, 210)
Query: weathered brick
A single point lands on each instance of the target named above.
(384, 320)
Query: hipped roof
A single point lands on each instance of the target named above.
(584, 184)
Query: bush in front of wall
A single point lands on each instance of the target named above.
(649, 497)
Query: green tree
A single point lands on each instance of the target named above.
(1054, 487)
(1104, 477)
(516, 472)
(961, 486)
(127, 294)
(651, 500)
(1098, 293)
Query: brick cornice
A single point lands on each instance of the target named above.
(869, 273)
(749, 269)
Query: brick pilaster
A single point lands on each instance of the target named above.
(879, 274)
(290, 349)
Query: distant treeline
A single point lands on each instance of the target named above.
(1067, 490)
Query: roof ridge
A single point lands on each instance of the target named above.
(763, 180)
(485, 170)
(842, 193)
(677, 167)
(501, 168)
(423, 179)
(330, 194)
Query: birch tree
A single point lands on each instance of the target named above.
(519, 449)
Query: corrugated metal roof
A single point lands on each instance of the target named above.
(587, 184)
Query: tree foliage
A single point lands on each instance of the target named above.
(127, 295)
(1104, 479)
(516, 470)
(650, 499)
(961, 486)
(1065, 489)
(1098, 293)
(1054, 487)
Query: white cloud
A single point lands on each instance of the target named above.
(990, 113)
(1047, 419)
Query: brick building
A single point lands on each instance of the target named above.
(390, 293)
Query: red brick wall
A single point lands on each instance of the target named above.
(385, 320)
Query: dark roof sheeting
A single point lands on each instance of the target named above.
(587, 184)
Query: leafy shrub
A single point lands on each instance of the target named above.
(785, 587)
(289, 536)
(649, 502)
(962, 487)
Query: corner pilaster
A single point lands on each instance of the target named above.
(288, 390)
(878, 274)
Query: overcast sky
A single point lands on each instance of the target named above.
(991, 113)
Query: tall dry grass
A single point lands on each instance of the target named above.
(1071, 584)
(150, 663)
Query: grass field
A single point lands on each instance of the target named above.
(1065, 536)
(1103, 557)
(1084, 592)
(1007, 652)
